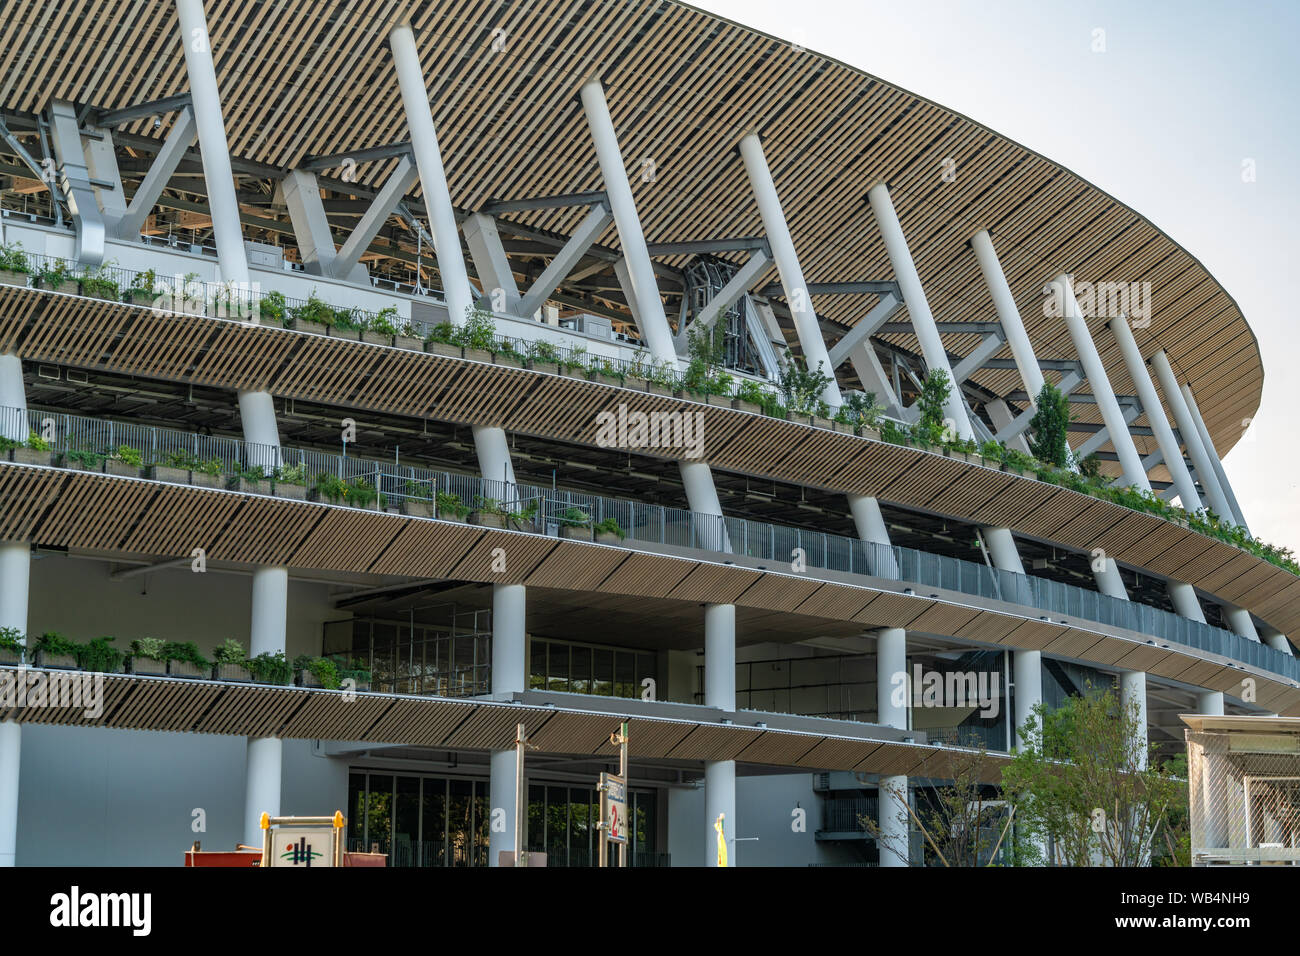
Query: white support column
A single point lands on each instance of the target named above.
(891, 661)
(1191, 437)
(311, 227)
(509, 677)
(74, 183)
(1133, 691)
(270, 615)
(989, 346)
(433, 177)
(1004, 303)
(215, 152)
(1276, 640)
(1150, 399)
(797, 298)
(1183, 596)
(101, 160)
(1208, 444)
(494, 464)
(491, 263)
(13, 399)
(1109, 581)
(257, 414)
(1027, 672)
(1104, 395)
(918, 308)
(1209, 703)
(182, 136)
(267, 635)
(1002, 417)
(650, 308)
(15, 573)
(720, 692)
(1240, 621)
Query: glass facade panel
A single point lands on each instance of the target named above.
(590, 668)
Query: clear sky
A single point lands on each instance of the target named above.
(1162, 120)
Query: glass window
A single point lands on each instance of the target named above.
(434, 815)
(603, 672)
(460, 823)
(379, 813)
(537, 819)
(537, 667)
(557, 663)
(557, 826)
(482, 823)
(580, 674)
(625, 674)
(357, 813)
(406, 822)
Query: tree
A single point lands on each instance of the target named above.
(933, 427)
(1049, 425)
(1081, 781)
(962, 822)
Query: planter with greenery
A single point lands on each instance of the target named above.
(442, 341)
(574, 365)
(82, 460)
(336, 491)
(408, 337)
(749, 397)
(127, 462)
(313, 316)
(344, 324)
(316, 672)
(191, 295)
(383, 327)
(55, 650)
(11, 645)
(290, 481)
(184, 660)
(358, 673)
(507, 356)
(451, 508)
(477, 335)
(14, 268)
(575, 524)
(271, 309)
(98, 283)
(208, 473)
(419, 498)
(143, 290)
(149, 656)
(544, 357)
(488, 513)
(609, 532)
(230, 662)
(57, 278)
(35, 451)
(175, 468)
(249, 481)
(271, 668)
(100, 657)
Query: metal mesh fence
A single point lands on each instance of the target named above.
(1244, 796)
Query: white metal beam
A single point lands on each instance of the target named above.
(726, 297)
(311, 227)
(866, 327)
(381, 207)
(569, 255)
(491, 262)
(181, 137)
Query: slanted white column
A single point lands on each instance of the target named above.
(509, 677)
(1190, 434)
(1240, 621)
(217, 174)
(1109, 582)
(1022, 350)
(15, 572)
(1208, 444)
(891, 661)
(918, 308)
(13, 399)
(257, 415)
(1183, 596)
(649, 307)
(1209, 703)
(1027, 672)
(787, 263)
(433, 178)
(491, 262)
(1146, 390)
(1276, 640)
(720, 692)
(1129, 459)
(493, 452)
(1133, 690)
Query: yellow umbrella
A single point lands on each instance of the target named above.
(722, 840)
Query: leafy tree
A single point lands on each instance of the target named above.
(1048, 425)
(1081, 783)
(801, 389)
(933, 426)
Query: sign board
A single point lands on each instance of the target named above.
(613, 807)
(302, 846)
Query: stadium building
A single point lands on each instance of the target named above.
(292, 290)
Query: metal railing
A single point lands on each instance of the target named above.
(846, 814)
(540, 510)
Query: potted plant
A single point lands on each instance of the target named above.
(477, 336)
(316, 672)
(55, 650)
(207, 474)
(249, 481)
(407, 337)
(345, 325)
(98, 283)
(35, 451)
(574, 365)
(56, 277)
(184, 660)
(127, 462)
(98, 657)
(575, 524)
(270, 668)
(290, 481)
(313, 316)
(544, 357)
(488, 513)
(175, 470)
(661, 378)
(358, 673)
(149, 656)
(442, 341)
(749, 397)
(382, 328)
(143, 289)
(451, 508)
(83, 460)
(605, 372)
(12, 646)
(419, 498)
(609, 532)
(14, 269)
(507, 355)
(363, 494)
(230, 662)
(271, 309)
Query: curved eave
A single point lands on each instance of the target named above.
(683, 86)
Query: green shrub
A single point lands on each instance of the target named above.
(89, 460)
(150, 648)
(540, 351)
(145, 283)
(610, 526)
(37, 443)
(444, 333)
(449, 503)
(357, 672)
(52, 642)
(1049, 424)
(98, 657)
(98, 282)
(230, 651)
(932, 427)
(11, 639)
(385, 321)
(313, 310)
(324, 669)
(478, 332)
(54, 274)
(801, 389)
(574, 518)
(13, 259)
(130, 456)
(186, 653)
(270, 668)
(291, 474)
(272, 309)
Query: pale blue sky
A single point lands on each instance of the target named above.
(1161, 120)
